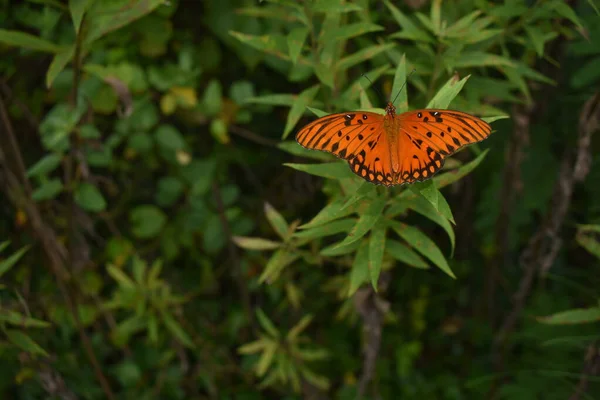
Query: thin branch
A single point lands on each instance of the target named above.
(55, 252)
(372, 309)
(542, 249)
(234, 258)
(591, 367)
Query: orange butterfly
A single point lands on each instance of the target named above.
(394, 149)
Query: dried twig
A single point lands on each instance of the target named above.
(15, 179)
(372, 309)
(542, 249)
(591, 367)
(234, 257)
(511, 187)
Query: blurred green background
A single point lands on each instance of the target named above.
(164, 237)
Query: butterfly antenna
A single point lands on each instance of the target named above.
(371, 82)
(404, 84)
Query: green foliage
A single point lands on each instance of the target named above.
(150, 156)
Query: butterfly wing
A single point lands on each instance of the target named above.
(427, 137)
(358, 137)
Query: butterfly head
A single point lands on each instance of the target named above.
(390, 110)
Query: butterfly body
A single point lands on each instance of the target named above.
(394, 149)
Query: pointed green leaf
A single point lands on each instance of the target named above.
(409, 29)
(78, 9)
(366, 189)
(88, 197)
(332, 228)
(10, 261)
(450, 177)
(266, 323)
(23, 341)
(27, 41)
(376, 251)
(45, 165)
(424, 245)
(297, 109)
(295, 41)
(366, 221)
(423, 207)
(404, 254)
(14, 318)
(362, 55)
(277, 221)
(334, 170)
(254, 243)
(176, 329)
(574, 316)
(360, 268)
(294, 148)
(279, 260)
(448, 92)
(399, 82)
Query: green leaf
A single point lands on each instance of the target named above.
(273, 100)
(213, 98)
(295, 41)
(404, 254)
(332, 228)
(574, 316)
(253, 347)
(362, 55)
(448, 92)
(331, 212)
(424, 207)
(48, 190)
(429, 192)
(420, 242)
(298, 108)
(88, 197)
(360, 268)
(360, 85)
(537, 38)
(336, 250)
(279, 260)
(567, 12)
(45, 165)
(266, 43)
(105, 18)
(294, 148)
(480, 59)
(366, 221)
(169, 138)
(253, 243)
(376, 251)
(176, 330)
(266, 323)
(27, 41)
(587, 74)
(9, 262)
(409, 29)
(297, 329)
(334, 170)
(435, 15)
(399, 82)
(78, 9)
(23, 341)
(14, 318)
(349, 31)
(329, 6)
(147, 221)
(450, 177)
(366, 189)
(277, 221)
(59, 62)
